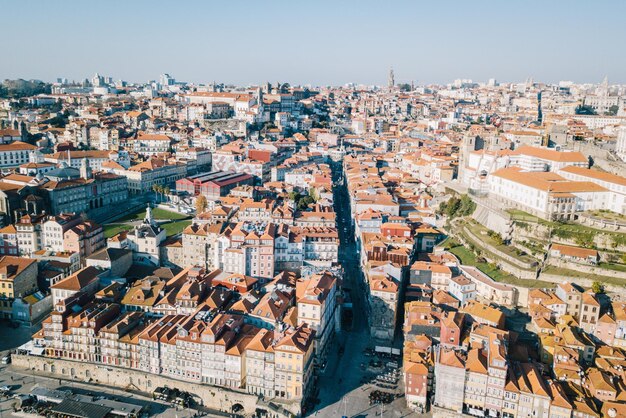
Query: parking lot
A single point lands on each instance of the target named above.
(22, 383)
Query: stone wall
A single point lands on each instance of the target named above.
(585, 268)
(599, 223)
(537, 231)
(491, 218)
(554, 278)
(509, 268)
(511, 260)
(211, 396)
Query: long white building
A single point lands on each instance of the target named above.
(546, 194)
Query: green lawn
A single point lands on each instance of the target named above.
(520, 215)
(607, 215)
(157, 213)
(468, 258)
(176, 227)
(612, 266)
(482, 234)
(114, 229)
(171, 228)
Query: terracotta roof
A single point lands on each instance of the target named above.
(574, 251)
(78, 280)
(11, 267)
(552, 154)
(596, 175)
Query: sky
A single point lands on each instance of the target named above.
(314, 42)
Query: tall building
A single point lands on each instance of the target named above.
(391, 82)
(620, 146)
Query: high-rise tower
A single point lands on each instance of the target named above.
(391, 82)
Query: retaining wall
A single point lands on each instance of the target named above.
(212, 397)
(586, 268)
(578, 280)
(497, 252)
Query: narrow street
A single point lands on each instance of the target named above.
(342, 386)
(343, 373)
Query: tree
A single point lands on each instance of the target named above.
(585, 240)
(304, 202)
(201, 204)
(613, 110)
(313, 193)
(452, 207)
(295, 196)
(467, 206)
(166, 192)
(155, 189)
(597, 287)
(585, 110)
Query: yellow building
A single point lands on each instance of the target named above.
(18, 279)
(294, 355)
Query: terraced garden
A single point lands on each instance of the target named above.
(173, 223)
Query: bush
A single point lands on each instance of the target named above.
(456, 207)
(597, 288)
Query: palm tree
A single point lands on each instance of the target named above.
(155, 189)
(166, 192)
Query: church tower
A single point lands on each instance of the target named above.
(85, 169)
(391, 82)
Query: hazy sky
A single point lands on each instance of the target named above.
(314, 42)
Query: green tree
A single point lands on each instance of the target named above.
(613, 110)
(157, 190)
(304, 202)
(166, 192)
(585, 110)
(295, 196)
(467, 206)
(597, 287)
(453, 206)
(584, 240)
(201, 204)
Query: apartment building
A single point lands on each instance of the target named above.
(316, 298)
(293, 357)
(150, 144)
(18, 279)
(154, 171)
(70, 233)
(15, 154)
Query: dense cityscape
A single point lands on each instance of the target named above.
(281, 250)
(270, 209)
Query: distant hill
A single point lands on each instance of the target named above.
(22, 88)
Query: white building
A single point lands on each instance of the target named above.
(546, 194)
(462, 288)
(15, 154)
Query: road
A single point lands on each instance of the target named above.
(22, 382)
(342, 387)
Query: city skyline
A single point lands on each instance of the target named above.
(348, 43)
